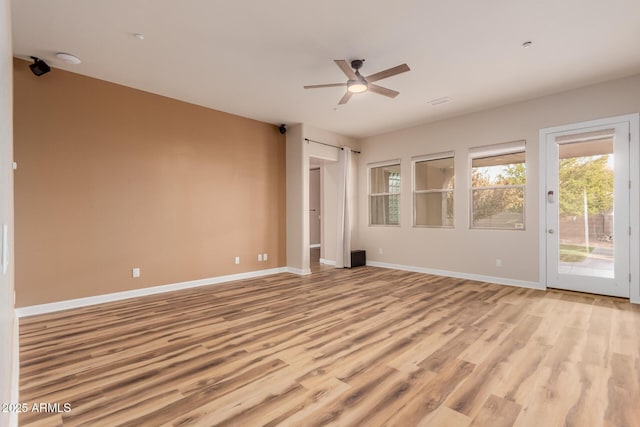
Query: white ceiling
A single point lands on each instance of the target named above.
(252, 58)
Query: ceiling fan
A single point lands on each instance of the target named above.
(357, 83)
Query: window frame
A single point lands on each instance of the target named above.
(370, 167)
(414, 191)
(492, 150)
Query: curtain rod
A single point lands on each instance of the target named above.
(330, 145)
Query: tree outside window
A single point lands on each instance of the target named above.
(498, 188)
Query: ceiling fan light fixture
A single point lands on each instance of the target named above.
(356, 86)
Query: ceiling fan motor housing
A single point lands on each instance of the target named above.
(356, 64)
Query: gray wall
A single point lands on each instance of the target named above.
(472, 251)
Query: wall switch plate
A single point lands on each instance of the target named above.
(264, 257)
(498, 263)
(259, 257)
(136, 272)
(380, 251)
(237, 260)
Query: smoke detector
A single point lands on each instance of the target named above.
(68, 58)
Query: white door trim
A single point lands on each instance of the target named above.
(634, 201)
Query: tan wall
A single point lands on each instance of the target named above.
(8, 323)
(112, 178)
(461, 249)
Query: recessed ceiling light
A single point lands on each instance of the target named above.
(68, 58)
(527, 44)
(439, 101)
(139, 36)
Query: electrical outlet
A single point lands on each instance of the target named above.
(259, 257)
(498, 262)
(380, 251)
(135, 272)
(265, 257)
(237, 260)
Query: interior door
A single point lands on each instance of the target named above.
(587, 209)
(314, 207)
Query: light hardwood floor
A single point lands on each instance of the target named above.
(314, 264)
(362, 347)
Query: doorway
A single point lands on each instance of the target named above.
(314, 207)
(586, 220)
(315, 219)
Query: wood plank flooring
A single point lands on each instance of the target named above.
(359, 347)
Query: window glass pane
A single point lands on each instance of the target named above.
(434, 174)
(434, 209)
(385, 210)
(498, 208)
(585, 207)
(505, 169)
(385, 179)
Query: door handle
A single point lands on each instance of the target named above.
(551, 231)
(550, 196)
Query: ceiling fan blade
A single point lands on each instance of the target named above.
(346, 69)
(388, 73)
(345, 98)
(382, 91)
(327, 85)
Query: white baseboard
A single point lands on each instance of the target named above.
(479, 278)
(327, 261)
(117, 296)
(315, 245)
(298, 271)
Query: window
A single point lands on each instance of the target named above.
(433, 183)
(498, 178)
(384, 194)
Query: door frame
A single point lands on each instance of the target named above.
(634, 195)
(618, 284)
(320, 169)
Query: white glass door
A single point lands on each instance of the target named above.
(587, 209)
